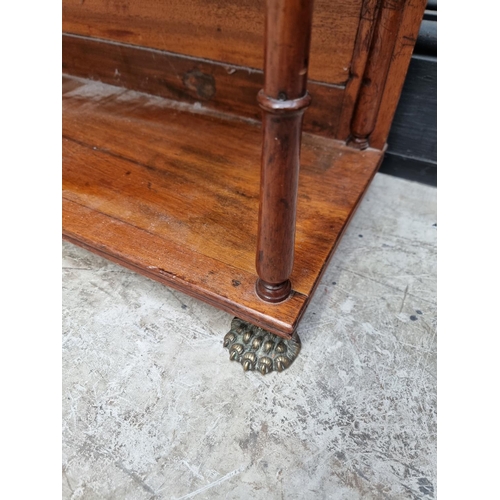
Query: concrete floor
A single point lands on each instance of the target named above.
(154, 409)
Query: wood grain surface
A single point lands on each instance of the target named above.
(369, 11)
(221, 30)
(283, 101)
(375, 75)
(212, 53)
(406, 36)
(219, 86)
(172, 192)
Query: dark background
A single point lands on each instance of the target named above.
(411, 152)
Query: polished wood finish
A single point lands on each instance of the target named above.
(386, 37)
(376, 70)
(176, 50)
(218, 86)
(230, 31)
(406, 37)
(167, 182)
(367, 19)
(141, 192)
(283, 101)
(287, 43)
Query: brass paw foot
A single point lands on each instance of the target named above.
(258, 349)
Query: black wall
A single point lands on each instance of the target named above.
(412, 142)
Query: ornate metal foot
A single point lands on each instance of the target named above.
(258, 349)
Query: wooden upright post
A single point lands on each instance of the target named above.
(379, 60)
(283, 100)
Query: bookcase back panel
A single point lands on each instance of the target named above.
(231, 31)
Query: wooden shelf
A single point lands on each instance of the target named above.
(172, 191)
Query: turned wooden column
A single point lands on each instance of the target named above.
(283, 101)
(375, 75)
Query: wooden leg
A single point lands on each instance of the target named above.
(283, 100)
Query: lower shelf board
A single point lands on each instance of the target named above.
(172, 191)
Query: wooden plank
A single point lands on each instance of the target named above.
(231, 31)
(222, 286)
(222, 87)
(69, 84)
(173, 194)
(187, 203)
(152, 134)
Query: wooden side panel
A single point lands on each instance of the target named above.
(405, 42)
(221, 30)
(222, 87)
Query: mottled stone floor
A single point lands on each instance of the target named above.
(153, 408)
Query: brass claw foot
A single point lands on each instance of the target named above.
(258, 349)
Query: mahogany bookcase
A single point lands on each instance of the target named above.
(184, 126)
